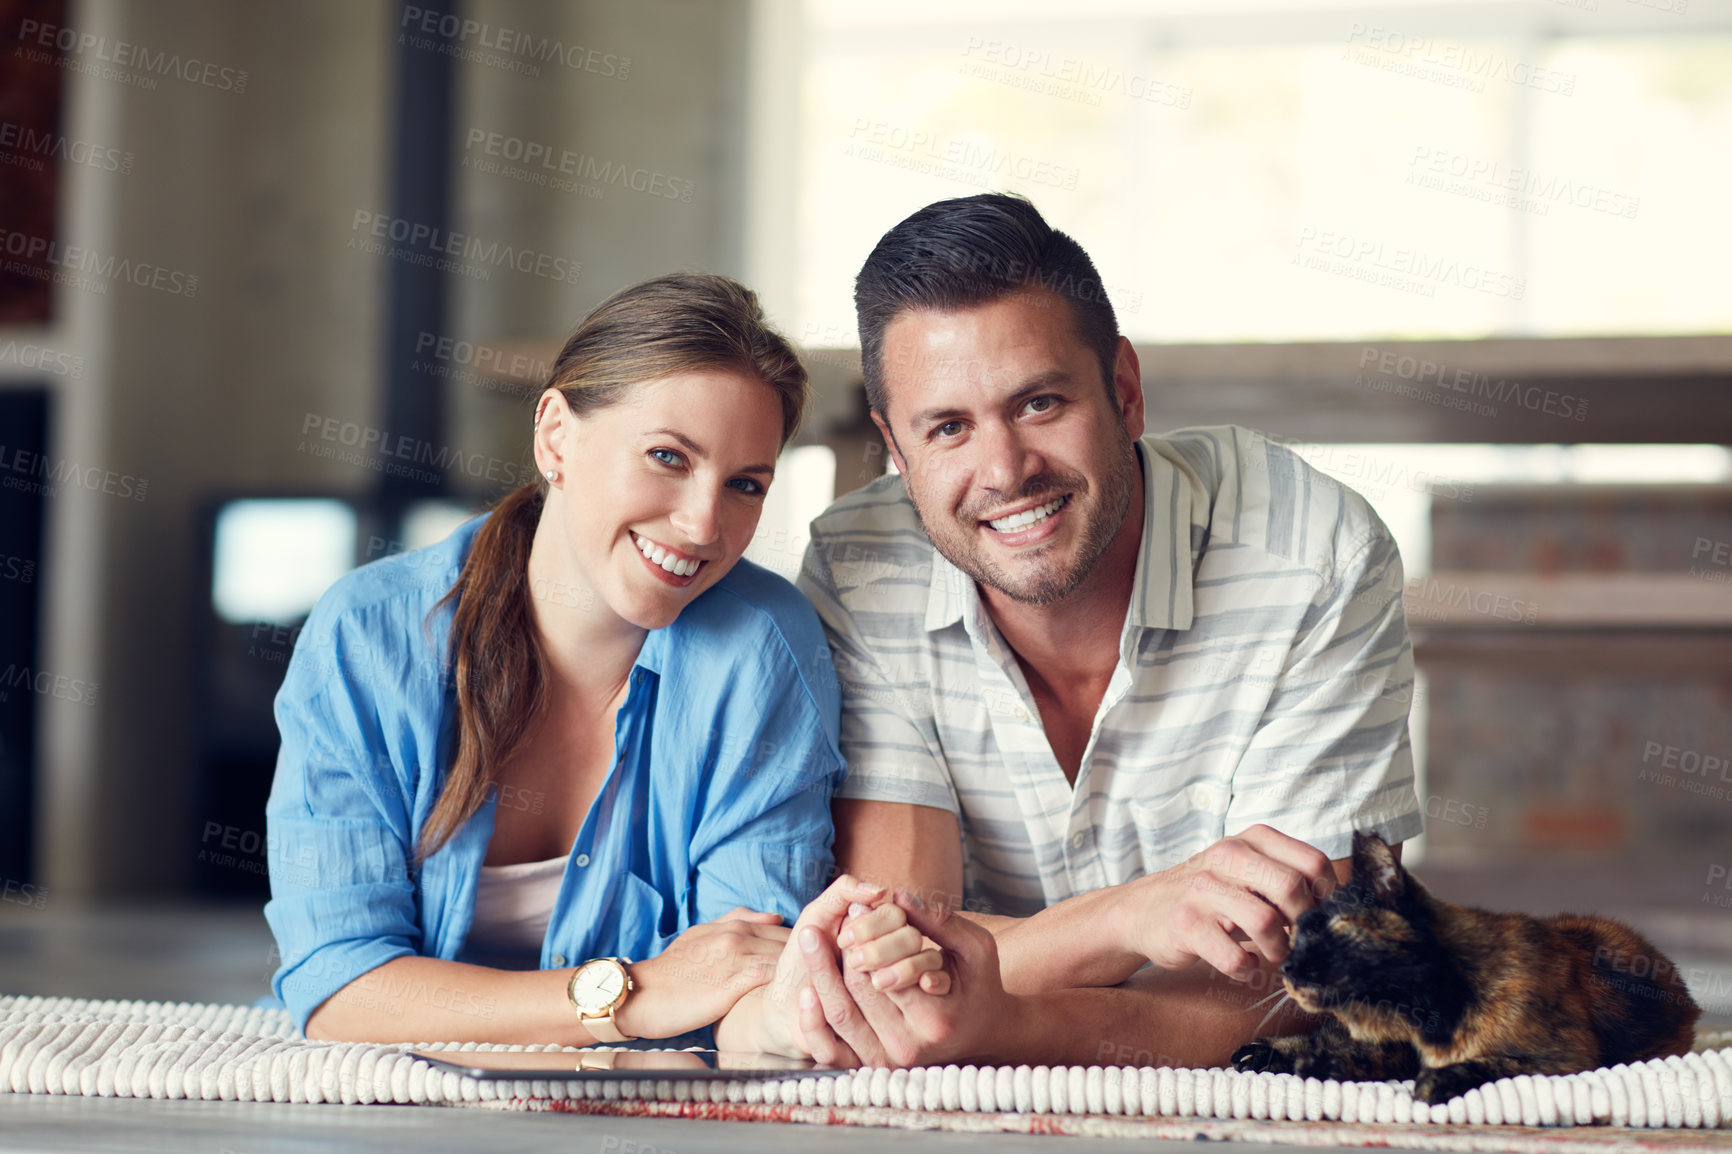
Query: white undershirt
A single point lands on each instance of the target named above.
(513, 904)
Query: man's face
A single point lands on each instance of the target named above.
(1018, 463)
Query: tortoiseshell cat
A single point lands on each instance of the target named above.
(1454, 997)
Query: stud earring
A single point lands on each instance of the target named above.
(551, 476)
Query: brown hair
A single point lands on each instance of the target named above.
(957, 254)
(662, 327)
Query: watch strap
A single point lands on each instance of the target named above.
(603, 1027)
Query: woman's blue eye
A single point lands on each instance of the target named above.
(748, 486)
(667, 457)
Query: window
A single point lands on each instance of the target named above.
(274, 557)
(1293, 172)
(1402, 481)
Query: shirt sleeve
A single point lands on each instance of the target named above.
(338, 831)
(889, 738)
(1331, 753)
(764, 840)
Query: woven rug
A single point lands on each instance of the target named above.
(237, 1053)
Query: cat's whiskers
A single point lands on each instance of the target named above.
(1277, 992)
(1273, 1010)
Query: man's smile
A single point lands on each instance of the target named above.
(1022, 518)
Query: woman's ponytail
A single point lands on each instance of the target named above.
(497, 659)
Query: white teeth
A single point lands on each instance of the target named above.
(666, 558)
(1027, 517)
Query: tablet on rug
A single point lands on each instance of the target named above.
(623, 1064)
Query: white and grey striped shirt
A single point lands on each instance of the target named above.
(1264, 675)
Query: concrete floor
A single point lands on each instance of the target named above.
(225, 954)
(37, 1123)
(222, 954)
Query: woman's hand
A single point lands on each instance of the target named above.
(893, 954)
(701, 974)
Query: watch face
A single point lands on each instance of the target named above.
(596, 986)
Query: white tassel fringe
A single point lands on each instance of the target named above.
(236, 1053)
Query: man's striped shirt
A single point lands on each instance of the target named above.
(1264, 675)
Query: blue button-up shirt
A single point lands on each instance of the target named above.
(719, 794)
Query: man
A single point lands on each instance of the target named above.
(1087, 677)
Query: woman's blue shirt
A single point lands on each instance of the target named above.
(719, 795)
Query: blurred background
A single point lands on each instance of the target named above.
(278, 284)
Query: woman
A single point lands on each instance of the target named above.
(560, 777)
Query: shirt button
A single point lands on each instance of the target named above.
(1077, 839)
(1021, 713)
(558, 960)
(582, 859)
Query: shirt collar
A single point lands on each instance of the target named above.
(951, 595)
(1161, 595)
(1161, 591)
(653, 656)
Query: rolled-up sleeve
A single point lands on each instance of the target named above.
(889, 738)
(338, 821)
(1331, 752)
(765, 838)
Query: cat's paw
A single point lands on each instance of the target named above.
(1444, 1083)
(1323, 1067)
(1260, 1057)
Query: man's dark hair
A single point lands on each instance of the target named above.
(958, 254)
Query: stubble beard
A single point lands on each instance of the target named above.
(1044, 585)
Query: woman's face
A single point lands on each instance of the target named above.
(659, 494)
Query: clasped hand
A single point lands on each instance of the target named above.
(890, 981)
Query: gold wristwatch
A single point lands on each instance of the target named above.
(598, 988)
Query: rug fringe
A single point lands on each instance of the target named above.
(238, 1053)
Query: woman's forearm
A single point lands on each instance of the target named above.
(764, 1021)
(744, 1027)
(414, 999)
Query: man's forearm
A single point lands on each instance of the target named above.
(1099, 938)
(1189, 1018)
(1070, 945)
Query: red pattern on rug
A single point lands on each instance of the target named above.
(1401, 1136)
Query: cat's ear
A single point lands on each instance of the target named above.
(1375, 867)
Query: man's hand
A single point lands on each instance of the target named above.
(790, 988)
(1228, 908)
(912, 1027)
(790, 993)
(1227, 905)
